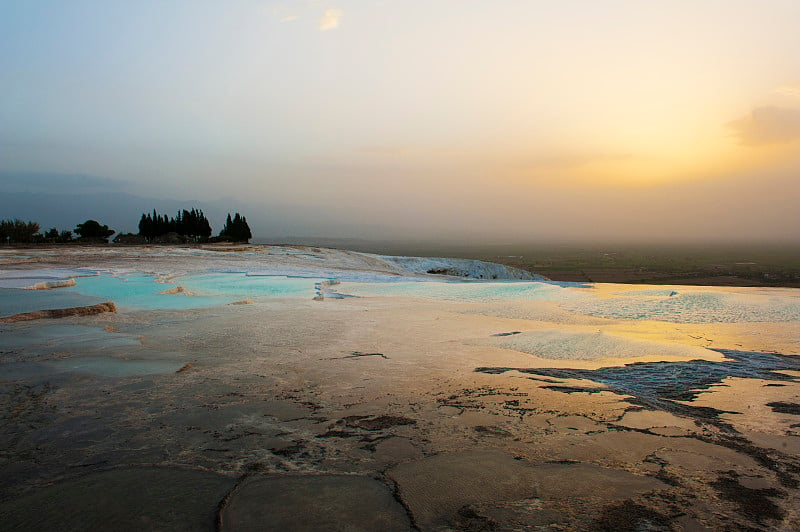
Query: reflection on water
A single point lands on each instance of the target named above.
(141, 292)
(565, 344)
(289, 386)
(662, 304)
(65, 337)
(144, 292)
(98, 366)
(693, 306)
(238, 285)
(18, 301)
(48, 348)
(466, 291)
(676, 381)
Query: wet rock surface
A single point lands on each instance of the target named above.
(756, 504)
(664, 384)
(312, 502)
(490, 487)
(680, 381)
(631, 516)
(123, 499)
(368, 414)
(785, 408)
(61, 313)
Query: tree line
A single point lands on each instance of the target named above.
(191, 224)
(186, 226)
(236, 229)
(19, 232)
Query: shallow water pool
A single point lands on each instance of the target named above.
(141, 292)
(18, 300)
(464, 291)
(694, 306)
(241, 285)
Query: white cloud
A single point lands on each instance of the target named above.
(289, 18)
(330, 19)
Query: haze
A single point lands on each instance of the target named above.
(416, 119)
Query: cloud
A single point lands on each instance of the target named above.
(792, 90)
(289, 18)
(330, 19)
(768, 125)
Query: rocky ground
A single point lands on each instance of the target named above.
(378, 413)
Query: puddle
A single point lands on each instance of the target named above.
(558, 344)
(464, 291)
(41, 351)
(692, 306)
(19, 301)
(662, 383)
(30, 278)
(65, 338)
(113, 367)
(99, 366)
(241, 286)
(142, 292)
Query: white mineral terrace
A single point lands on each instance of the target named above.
(252, 384)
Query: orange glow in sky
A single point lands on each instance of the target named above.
(420, 113)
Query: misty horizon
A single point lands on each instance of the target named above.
(63, 201)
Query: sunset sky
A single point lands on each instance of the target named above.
(423, 118)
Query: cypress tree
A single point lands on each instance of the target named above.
(192, 224)
(236, 229)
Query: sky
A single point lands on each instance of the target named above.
(484, 119)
